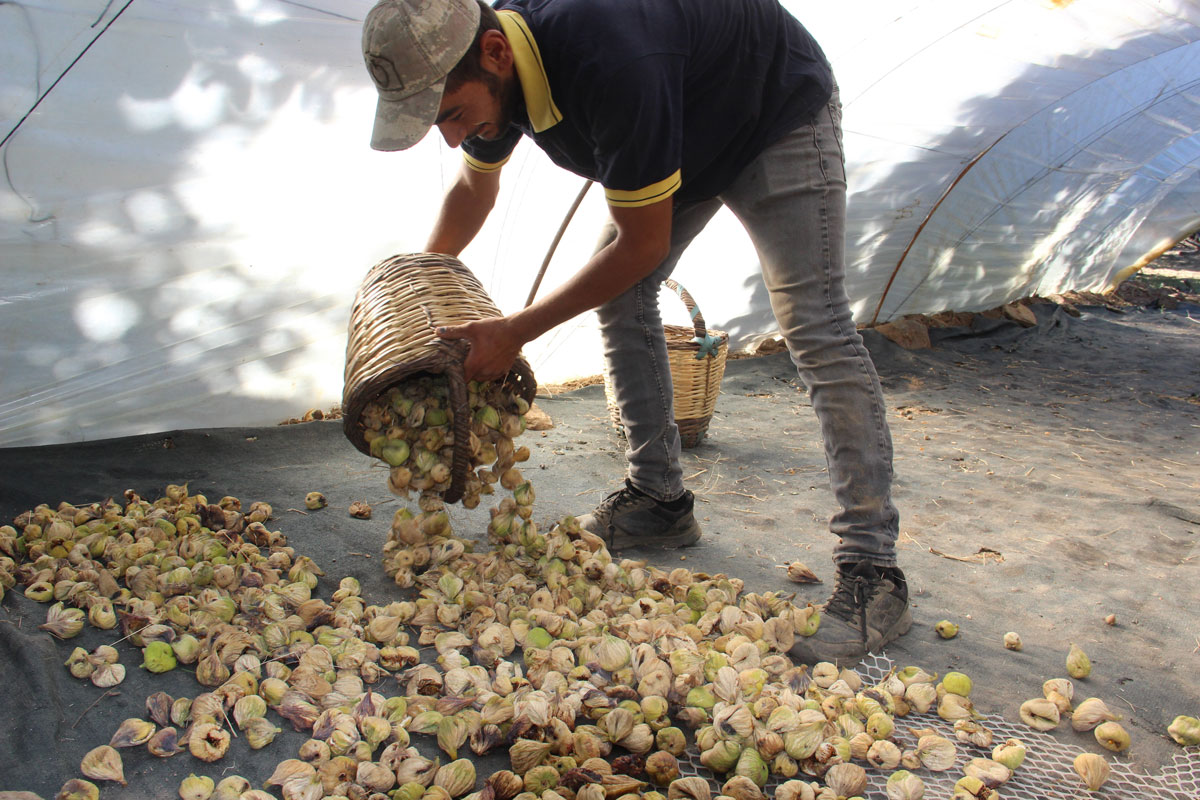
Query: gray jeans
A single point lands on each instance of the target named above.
(792, 202)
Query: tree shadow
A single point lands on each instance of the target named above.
(130, 306)
(985, 215)
(127, 308)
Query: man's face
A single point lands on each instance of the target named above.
(479, 109)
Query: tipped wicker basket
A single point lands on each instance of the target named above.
(697, 359)
(401, 302)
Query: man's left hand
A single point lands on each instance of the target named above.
(494, 348)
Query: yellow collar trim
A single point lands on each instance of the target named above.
(531, 72)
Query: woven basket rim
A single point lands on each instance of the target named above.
(680, 337)
(393, 293)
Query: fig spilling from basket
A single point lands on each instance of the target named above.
(410, 427)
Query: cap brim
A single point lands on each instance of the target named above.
(400, 124)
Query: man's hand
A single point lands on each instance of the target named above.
(494, 348)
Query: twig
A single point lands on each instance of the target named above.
(135, 633)
(739, 494)
(364, 555)
(746, 511)
(1098, 433)
(227, 722)
(93, 705)
(984, 555)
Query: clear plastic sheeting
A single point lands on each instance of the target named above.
(189, 198)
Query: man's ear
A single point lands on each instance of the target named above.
(495, 52)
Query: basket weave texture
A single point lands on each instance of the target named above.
(696, 372)
(399, 305)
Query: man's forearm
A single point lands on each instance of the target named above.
(609, 272)
(464, 210)
(643, 240)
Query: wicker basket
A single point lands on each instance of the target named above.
(401, 302)
(697, 359)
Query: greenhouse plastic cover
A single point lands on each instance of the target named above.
(190, 202)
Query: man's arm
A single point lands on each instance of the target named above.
(464, 210)
(643, 240)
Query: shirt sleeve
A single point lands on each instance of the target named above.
(482, 155)
(637, 125)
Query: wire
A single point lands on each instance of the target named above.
(75, 61)
(554, 244)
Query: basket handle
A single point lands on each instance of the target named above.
(456, 379)
(708, 344)
(520, 379)
(457, 384)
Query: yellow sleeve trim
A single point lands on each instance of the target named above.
(645, 196)
(483, 166)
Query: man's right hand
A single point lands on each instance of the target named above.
(493, 347)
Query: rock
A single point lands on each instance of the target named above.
(1065, 304)
(537, 420)
(769, 346)
(908, 333)
(1021, 314)
(951, 319)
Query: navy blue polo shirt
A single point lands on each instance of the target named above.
(654, 98)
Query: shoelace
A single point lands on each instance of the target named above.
(853, 592)
(609, 506)
(614, 501)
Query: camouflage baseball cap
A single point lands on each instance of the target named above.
(410, 46)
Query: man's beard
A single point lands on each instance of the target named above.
(505, 92)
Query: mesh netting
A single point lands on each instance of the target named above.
(1046, 774)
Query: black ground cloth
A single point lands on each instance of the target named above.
(1046, 478)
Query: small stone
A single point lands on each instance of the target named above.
(908, 333)
(1021, 314)
(537, 420)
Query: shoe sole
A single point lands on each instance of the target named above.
(621, 540)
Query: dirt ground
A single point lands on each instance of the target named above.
(1047, 477)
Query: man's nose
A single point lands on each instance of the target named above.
(454, 134)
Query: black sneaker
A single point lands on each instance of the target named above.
(868, 609)
(629, 518)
